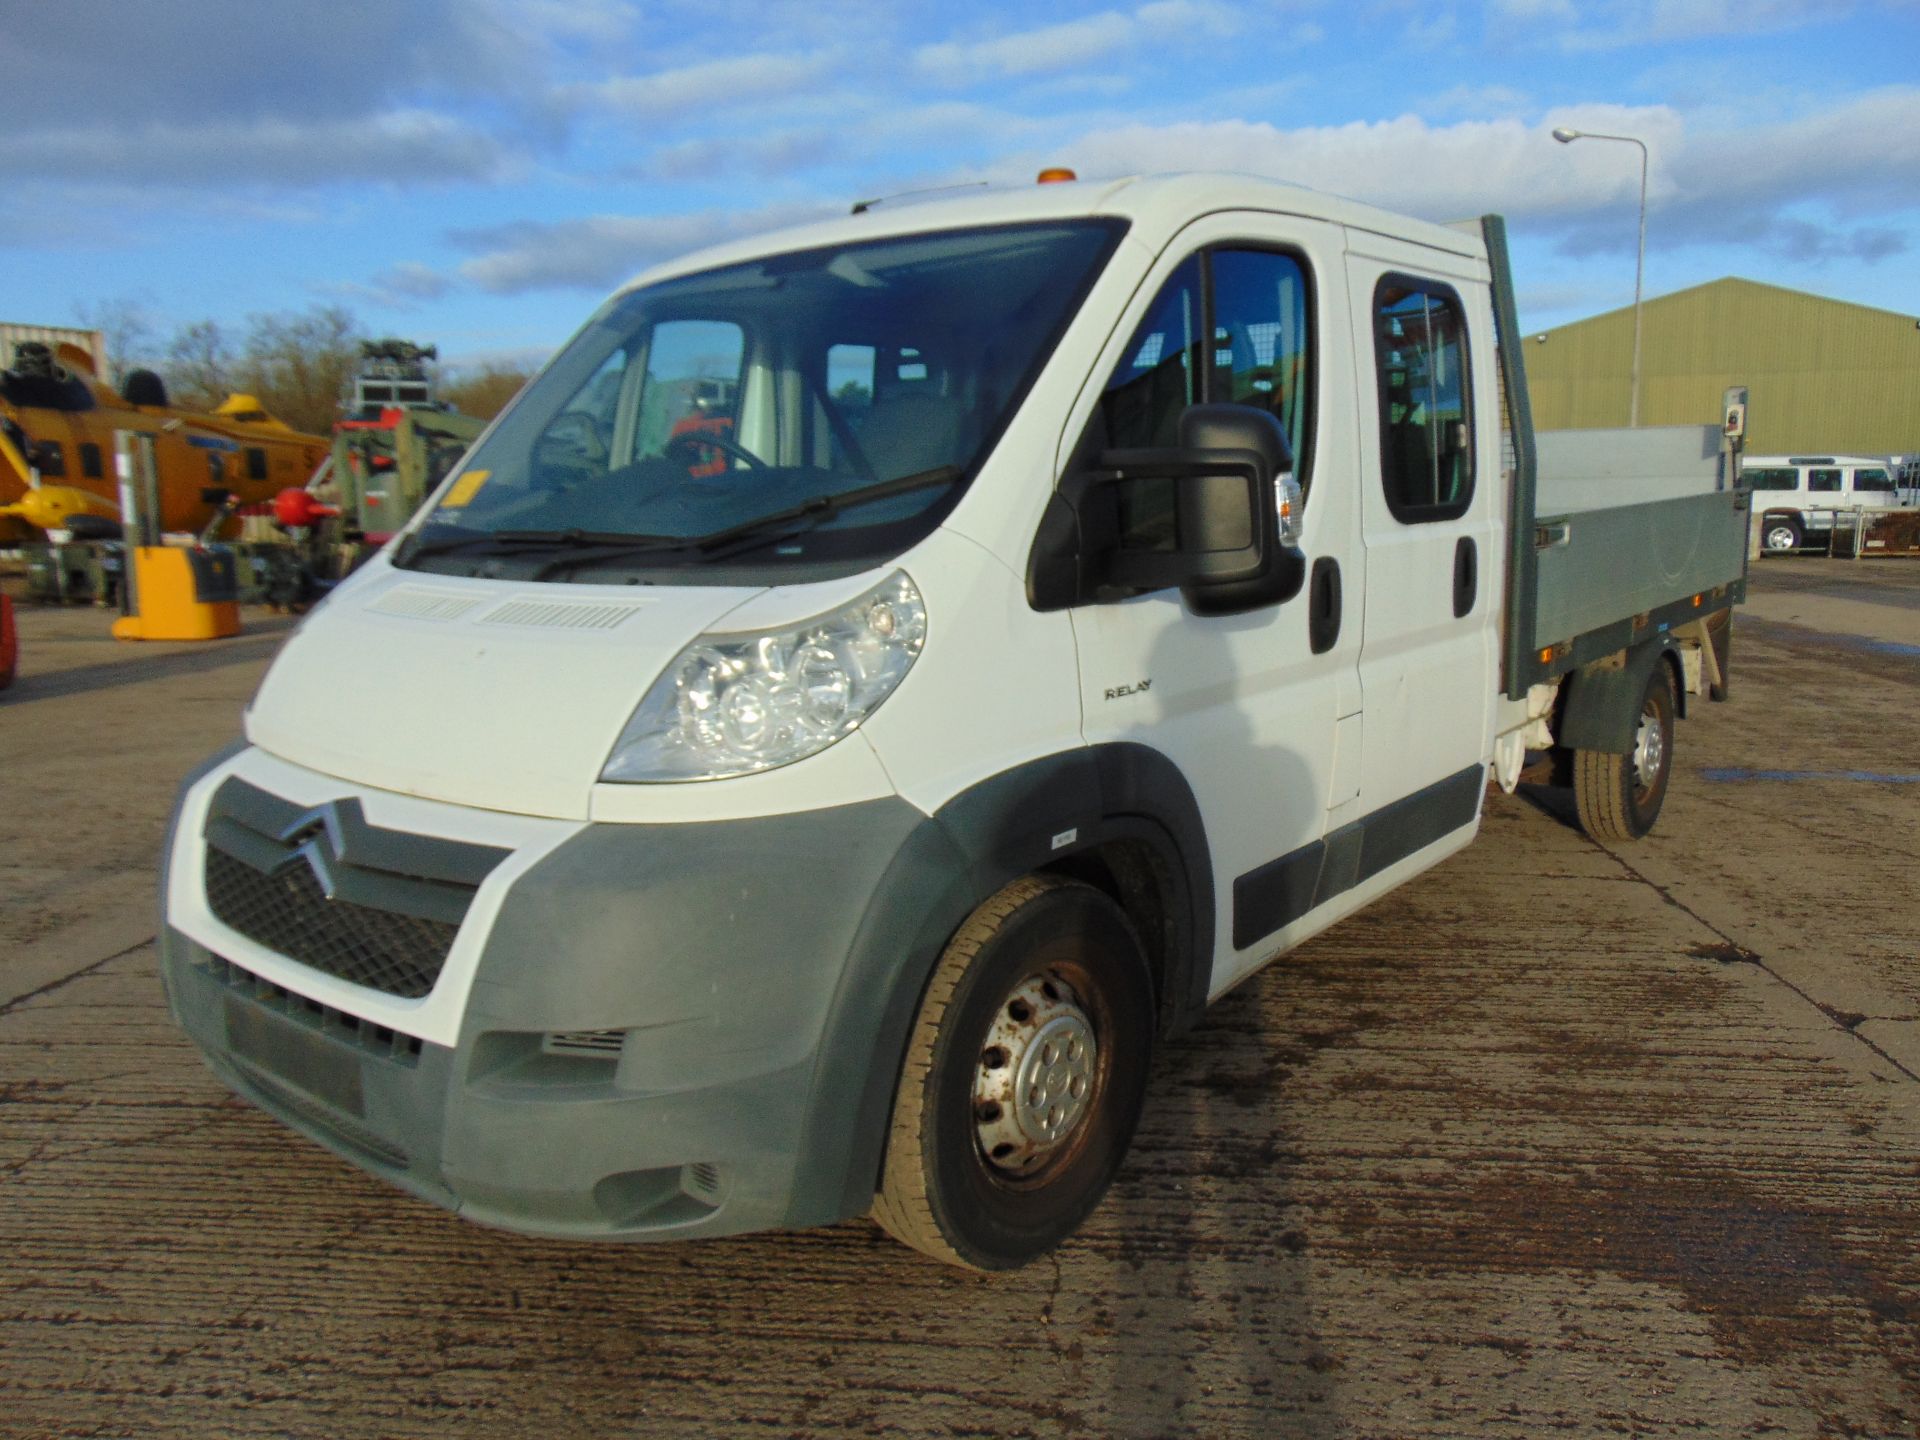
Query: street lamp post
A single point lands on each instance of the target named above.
(1566, 137)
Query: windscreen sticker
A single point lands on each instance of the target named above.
(465, 488)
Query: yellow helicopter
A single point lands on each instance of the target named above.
(57, 424)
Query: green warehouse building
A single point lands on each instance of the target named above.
(1825, 376)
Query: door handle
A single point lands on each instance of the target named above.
(1323, 605)
(1466, 576)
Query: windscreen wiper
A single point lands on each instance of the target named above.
(811, 512)
(775, 524)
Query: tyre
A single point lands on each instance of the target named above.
(1023, 1079)
(1780, 534)
(1619, 796)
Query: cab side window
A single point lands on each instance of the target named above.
(1260, 354)
(1426, 404)
(1232, 325)
(1160, 374)
(1823, 480)
(1875, 480)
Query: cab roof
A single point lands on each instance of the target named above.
(1156, 206)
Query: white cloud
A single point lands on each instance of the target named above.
(1405, 164)
(603, 22)
(410, 280)
(234, 59)
(1529, 11)
(1203, 19)
(732, 84)
(208, 96)
(1066, 46)
(764, 156)
(1478, 102)
(1615, 24)
(403, 287)
(599, 251)
(412, 146)
(1077, 44)
(1828, 184)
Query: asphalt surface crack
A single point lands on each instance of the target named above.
(85, 970)
(1732, 951)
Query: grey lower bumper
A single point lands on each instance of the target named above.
(694, 975)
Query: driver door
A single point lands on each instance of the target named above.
(1260, 711)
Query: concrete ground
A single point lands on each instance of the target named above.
(1559, 1139)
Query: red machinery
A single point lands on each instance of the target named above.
(9, 643)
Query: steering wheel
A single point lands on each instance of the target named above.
(711, 440)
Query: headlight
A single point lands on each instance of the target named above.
(734, 704)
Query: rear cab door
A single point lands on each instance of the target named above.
(1430, 495)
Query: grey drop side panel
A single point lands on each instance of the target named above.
(1627, 560)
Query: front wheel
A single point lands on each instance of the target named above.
(1780, 534)
(1619, 796)
(1023, 1080)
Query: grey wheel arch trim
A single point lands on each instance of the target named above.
(1602, 706)
(978, 842)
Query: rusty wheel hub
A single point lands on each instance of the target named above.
(1036, 1077)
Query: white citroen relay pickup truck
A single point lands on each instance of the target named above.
(881, 677)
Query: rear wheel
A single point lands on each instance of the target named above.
(1619, 796)
(1023, 1080)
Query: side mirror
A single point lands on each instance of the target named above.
(1206, 516)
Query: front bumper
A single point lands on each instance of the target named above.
(634, 1047)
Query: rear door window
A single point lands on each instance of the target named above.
(1426, 431)
(1823, 480)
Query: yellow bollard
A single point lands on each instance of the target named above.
(180, 594)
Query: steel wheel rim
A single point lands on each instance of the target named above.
(1780, 537)
(1649, 750)
(1037, 1079)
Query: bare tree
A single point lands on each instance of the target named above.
(128, 329)
(199, 366)
(298, 363)
(484, 392)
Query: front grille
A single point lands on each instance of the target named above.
(325, 887)
(291, 915)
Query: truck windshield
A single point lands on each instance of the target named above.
(819, 407)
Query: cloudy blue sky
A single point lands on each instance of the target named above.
(477, 172)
